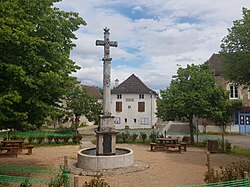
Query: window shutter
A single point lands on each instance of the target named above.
(141, 106)
(118, 106)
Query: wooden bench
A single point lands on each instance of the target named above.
(173, 146)
(156, 146)
(10, 151)
(29, 147)
(14, 150)
(184, 146)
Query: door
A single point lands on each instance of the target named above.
(244, 122)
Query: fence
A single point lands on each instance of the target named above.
(234, 183)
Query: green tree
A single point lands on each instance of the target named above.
(235, 50)
(189, 95)
(35, 44)
(222, 109)
(79, 103)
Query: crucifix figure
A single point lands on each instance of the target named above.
(106, 70)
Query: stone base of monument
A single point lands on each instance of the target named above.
(88, 160)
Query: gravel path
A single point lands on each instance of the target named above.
(165, 169)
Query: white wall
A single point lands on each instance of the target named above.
(130, 110)
(216, 129)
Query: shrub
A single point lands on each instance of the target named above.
(76, 138)
(133, 137)
(96, 182)
(118, 138)
(40, 139)
(57, 139)
(125, 136)
(31, 139)
(228, 146)
(232, 171)
(65, 139)
(26, 183)
(50, 138)
(153, 136)
(143, 136)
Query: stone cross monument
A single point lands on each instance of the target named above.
(106, 134)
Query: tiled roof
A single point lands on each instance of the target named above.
(215, 62)
(132, 85)
(91, 90)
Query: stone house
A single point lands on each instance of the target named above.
(133, 104)
(241, 119)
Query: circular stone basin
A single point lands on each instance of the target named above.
(87, 159)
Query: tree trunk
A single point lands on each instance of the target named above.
(77, 122)
(191, 127)
(223, 138)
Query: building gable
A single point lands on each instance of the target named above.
(132, 85)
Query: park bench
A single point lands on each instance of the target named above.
(156, 146)
(173, 146)
(9, 151)
(14, 150)
(184, 146)
(29, 147)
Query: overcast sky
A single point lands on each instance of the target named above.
(154, 37)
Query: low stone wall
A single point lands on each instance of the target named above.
(216, 129)
(95, 163)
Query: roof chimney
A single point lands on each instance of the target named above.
(116, 82)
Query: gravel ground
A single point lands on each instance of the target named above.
(165, 169)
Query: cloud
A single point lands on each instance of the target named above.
(153, 36)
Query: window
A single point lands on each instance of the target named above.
(141, 96)
(233, 88)
(117, 120)
(119, 96)
(141, 106)
(118, 107)
(125, 120)
(129, 107)
(134, 120)
(144, 121)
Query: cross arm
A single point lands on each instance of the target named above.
(99, 42)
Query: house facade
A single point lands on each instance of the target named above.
(133, 104)
(241, 119)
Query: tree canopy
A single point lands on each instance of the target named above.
(79, 102)
(235, 50)
(35, 43)
(192, 93)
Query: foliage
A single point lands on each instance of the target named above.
(26, 183)
(36, 39)
(232, 171)
(235, 50)
(153, 136)
(96, 182)
(240, 151)
(79, 102)
(50, 138)
(57, 181)
(143, 136)
(40, 139)
(133, 137)
(192, 93)
(76, 138)
(125, 136)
